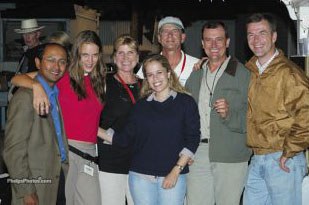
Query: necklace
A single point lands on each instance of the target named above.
(211, 90)
(126, 87)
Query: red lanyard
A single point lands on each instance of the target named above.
(127, 88)
(183, 64)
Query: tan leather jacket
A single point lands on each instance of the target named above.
(278, 108)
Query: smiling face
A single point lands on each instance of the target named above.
(215, 43)
(126, 58)
(171, 37)
(261, 40)
(53, 63)
(89, 56)
(157, 77)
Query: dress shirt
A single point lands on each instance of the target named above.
(52, 93)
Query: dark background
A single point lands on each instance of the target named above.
(188, 10)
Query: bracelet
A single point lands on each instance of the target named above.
(179, 167)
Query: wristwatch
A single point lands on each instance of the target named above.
(179, 167)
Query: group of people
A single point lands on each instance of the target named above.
(181, 135)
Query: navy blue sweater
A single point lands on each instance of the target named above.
(159, 131)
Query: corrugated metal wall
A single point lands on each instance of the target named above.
(110, 30)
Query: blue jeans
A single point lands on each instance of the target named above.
(268, 184)
(147, 190)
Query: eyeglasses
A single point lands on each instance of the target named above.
(54, 61)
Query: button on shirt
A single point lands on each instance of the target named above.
(204, 96)
(52, 93)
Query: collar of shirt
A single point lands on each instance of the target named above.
(52, 93)
(223, 65)
(182, 54)
(265, 65)
(153, 97)
(49, 90)
(179, 63)
(25, 48)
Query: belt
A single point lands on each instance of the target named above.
(205, 140)
(83, 154)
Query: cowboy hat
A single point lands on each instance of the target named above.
(28, 25)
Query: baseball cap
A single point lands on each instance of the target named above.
(171, 20)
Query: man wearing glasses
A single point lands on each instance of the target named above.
(219, 171)
(35, 146)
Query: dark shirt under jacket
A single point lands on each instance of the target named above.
(26, 64)
(27, 61)
(118, 105)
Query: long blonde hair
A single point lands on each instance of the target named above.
(173, 81)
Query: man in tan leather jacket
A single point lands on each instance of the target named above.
(277, 119)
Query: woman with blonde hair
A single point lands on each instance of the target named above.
(61, 38)
(174, 83)
(122, 92)
(164, 132)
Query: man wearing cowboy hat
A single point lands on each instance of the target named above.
(31, 34)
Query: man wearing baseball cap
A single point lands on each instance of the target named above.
(31, 35)
(171, 34)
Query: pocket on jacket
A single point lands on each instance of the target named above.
(232, 96)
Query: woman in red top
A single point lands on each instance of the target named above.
(81, 96)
